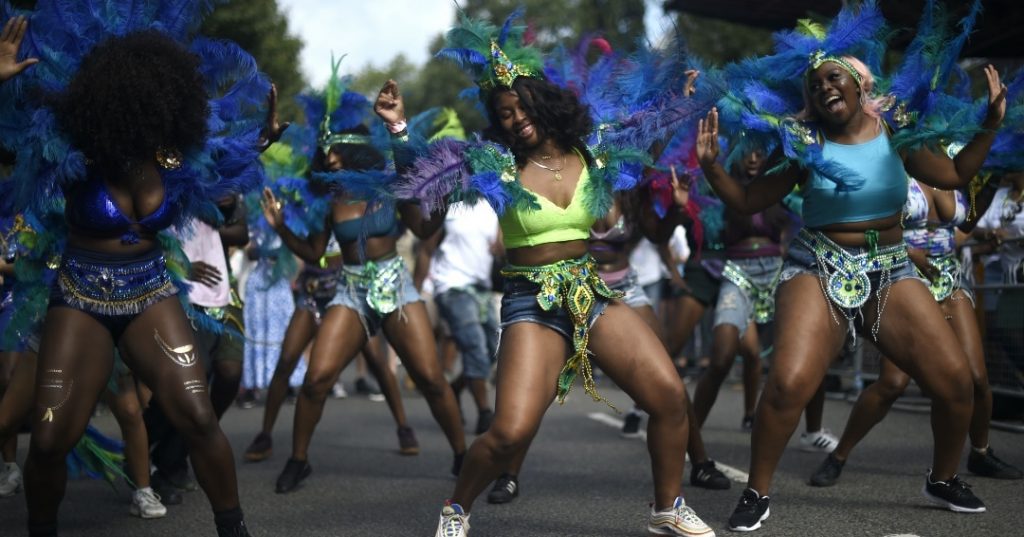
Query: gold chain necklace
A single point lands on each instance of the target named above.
(557, 171)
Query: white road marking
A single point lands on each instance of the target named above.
(732, 473)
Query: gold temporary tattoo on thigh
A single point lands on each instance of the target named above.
(52, 381)
(194, 386)
(185, 355)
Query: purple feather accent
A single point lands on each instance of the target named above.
(436, 175)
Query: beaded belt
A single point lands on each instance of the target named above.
(574, 286)
(948, 279)
(763, 297)
(844, 276)
(128, 287)
(382, 281)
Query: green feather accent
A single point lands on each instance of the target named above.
(334, 89)
(811, 28)
(280, 160)
(448, 125)
(96, 460)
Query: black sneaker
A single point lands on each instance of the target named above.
(631, 425)
(483, 420)
(828, 473)
(169, 494)
(183, 480)
(233, 531)
(261, 448)
(747, 424)
(293, 474)
(369, 389)
(953, 494)
(407, 443)
(506, 489)
(706, 476)
(750, 512)
(457, 464)
(988, 465)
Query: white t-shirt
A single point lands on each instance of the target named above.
(1006, 214)
(464, 256)
(647, 263)
(202, 243)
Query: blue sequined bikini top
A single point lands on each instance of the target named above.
(91, 210)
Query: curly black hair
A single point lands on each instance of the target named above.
(555, 111)
(132, 95)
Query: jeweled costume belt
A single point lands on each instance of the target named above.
(763, 297)
(573, 285)
(844, 275)
(116, 286)
(382, 281)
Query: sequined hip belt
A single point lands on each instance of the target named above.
(947, 281)
(382, 281)
(113, 285)
(844, 272)
(574, 286)
(762, 296)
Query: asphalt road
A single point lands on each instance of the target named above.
(581, 479)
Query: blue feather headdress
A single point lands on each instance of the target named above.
(60, 34)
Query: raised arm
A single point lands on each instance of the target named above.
(309, 250)
(940, 171)
(659, 230)
(235, 231)
(10, 41)
(750, 199)
(273, 128)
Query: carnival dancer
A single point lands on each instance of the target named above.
(548, 188)
(849, 262)
(375, 291)
(305, 203)
(931, 219)
(132, 118)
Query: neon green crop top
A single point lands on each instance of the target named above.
(551, 223)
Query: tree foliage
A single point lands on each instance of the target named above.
(261, 28)
(551, 22)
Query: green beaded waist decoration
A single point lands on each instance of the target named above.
(946, 282)
(762, 297)
(573, 285)
(382, 281)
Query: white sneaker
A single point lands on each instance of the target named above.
(10, 479)
(679, 519)
(822, 441)
(338, 391)
(454, 522)
(146, 504)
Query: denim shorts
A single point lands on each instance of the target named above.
(359, 294)
(801, 259)
(735, 305)
(519, 305)
(629, 285)
(473, 322)
(314, 290)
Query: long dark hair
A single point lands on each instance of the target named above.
(556, 112)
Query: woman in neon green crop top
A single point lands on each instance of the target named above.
(556, 309)
(856, 268)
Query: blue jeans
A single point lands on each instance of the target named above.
(474, 325)
(519, 305)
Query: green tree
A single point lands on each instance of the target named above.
(261, 28)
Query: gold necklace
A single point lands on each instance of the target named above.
(557, 171)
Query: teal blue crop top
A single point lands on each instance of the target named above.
(382, 223)
(883, 194)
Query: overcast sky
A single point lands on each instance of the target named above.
(370, 33)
